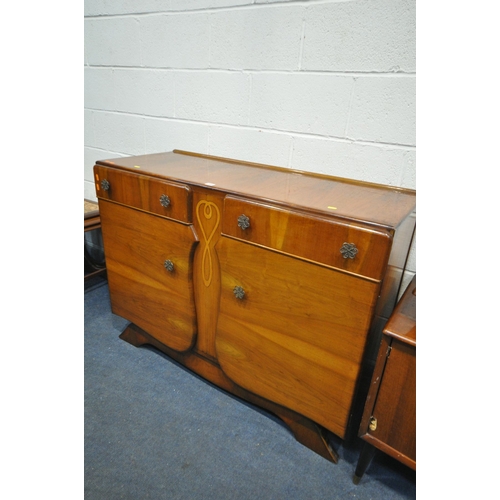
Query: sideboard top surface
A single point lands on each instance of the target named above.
(362, 201)
(403, 322)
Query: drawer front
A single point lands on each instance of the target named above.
(351, 248)
(153, 195)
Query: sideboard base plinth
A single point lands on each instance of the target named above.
(305, 431)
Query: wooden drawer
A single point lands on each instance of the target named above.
(309, 237)
(143, 192)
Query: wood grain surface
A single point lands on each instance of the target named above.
(293, 338)
(141, 288)
(299, 337)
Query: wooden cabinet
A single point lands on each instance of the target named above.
(389, 418)
(272, 283)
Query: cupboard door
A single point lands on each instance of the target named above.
(395, 406)
(292, 331)
(149, 266)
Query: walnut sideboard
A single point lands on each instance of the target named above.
(272, 283)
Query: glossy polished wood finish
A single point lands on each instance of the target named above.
(391, 401)
(291, 233)
(144, 193)
(295, 339)
(208, 209)
(343, 198)
(142, 289)
(279, 342)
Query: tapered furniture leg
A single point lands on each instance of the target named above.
(365, 458)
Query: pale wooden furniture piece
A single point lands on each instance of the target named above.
(91, 215)
(272, 283)
(389, 417)
(91, 222)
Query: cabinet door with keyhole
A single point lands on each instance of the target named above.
(395, 408)
(293, 331)
(149, 266)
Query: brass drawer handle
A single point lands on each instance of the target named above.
(169, 265)
(243, 221)
(164, 200)
(239, 293)
(105, 185)
(349, 250)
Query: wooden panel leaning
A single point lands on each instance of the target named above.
(278, 285)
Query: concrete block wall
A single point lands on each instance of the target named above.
(322, 85)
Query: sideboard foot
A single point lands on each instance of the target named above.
(133, 336)
(312, 436)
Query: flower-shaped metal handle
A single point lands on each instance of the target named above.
(239, 293)
(349, 250)
(169, 265)
(164, 200)
(243, 221)
(105, 185)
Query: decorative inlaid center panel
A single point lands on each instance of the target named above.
(205, 210)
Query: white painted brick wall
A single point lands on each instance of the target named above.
(165, 135)
(212, 96)
(322, 86)
(308, 103)
(272, 148)
(175, 40)
(112, 42)
(383, 110)
(144, 92)
(257, 38)
(364, 36)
